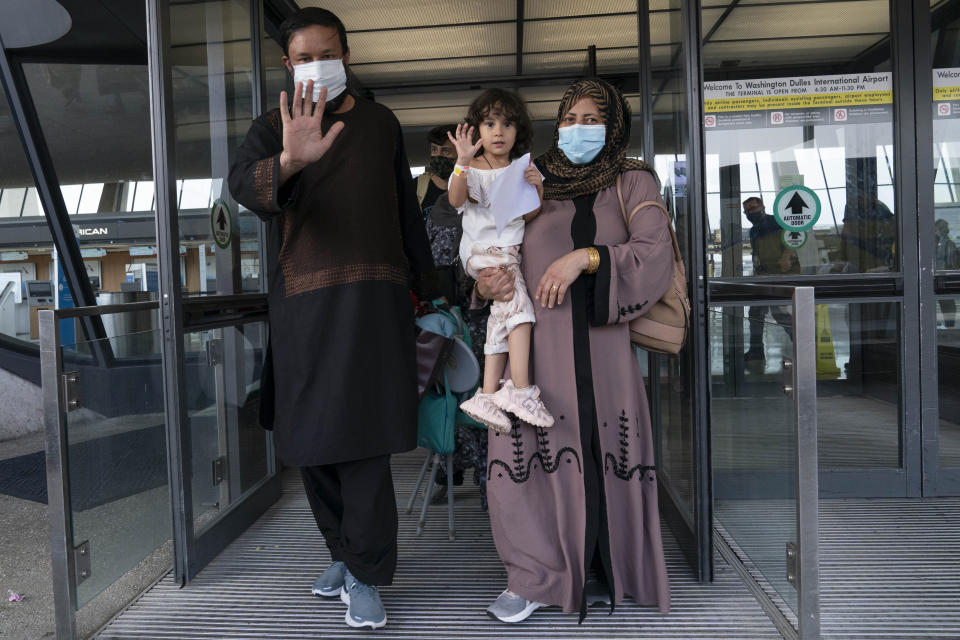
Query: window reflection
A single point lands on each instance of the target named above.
(856, 230)
(948, 360)
(946, 148)
(827, 128)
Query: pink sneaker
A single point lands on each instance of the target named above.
(482, 408)
(525, 404)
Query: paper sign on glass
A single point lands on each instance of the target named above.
(511, 196)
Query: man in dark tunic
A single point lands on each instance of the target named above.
(332, 182)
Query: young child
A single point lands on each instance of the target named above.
(498, 130)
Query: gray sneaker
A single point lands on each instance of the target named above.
(509, 607)
(364, 608)
(330, 582)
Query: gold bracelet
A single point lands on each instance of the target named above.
(594, 256)
(476, 290)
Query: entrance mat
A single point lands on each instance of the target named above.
(101, 470)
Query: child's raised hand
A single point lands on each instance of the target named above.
(466, 149)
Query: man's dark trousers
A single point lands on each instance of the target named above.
(356, 510)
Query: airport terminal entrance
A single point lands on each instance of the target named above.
(792, 141)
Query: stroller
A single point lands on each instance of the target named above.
(454, 376)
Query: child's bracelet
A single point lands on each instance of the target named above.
(460, 170)
(594, 256)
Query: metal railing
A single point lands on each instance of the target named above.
(70, 556)
(800, 385)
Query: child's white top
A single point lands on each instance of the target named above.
(478, 224)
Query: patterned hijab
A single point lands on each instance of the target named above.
(564, 180)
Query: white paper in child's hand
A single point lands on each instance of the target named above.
(511, 196)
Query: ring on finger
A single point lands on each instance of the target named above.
(554, 287)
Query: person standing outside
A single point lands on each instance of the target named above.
(770, 257)
(946, 259)
(329, 175)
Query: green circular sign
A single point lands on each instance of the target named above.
(797, 208)
(221, 223)
(793, 239)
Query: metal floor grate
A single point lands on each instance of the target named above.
(889, 568)
(259, 587)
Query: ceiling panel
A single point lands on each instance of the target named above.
(574, 62)
(674, 5)
(421, 109)
(436, 42)
(453, 99)
(560, 8)
(625, 60)
(446, 70)
(429, 116)
(824, 2)
(359, 15)
(580, 33)
(771, 52)
(805, 19)
(667, 26)
(709, 19)
(544, 109)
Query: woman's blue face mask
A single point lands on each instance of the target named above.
(582, 142)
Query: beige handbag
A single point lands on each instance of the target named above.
(662, 329)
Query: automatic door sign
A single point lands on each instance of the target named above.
(221, 223)
(793, 239)
(797, 208)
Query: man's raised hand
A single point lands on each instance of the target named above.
(303, 139)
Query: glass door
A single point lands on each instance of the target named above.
(802, 187)
(679, 383)
(213, 308)
(941, 236)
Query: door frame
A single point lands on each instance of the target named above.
(692, 525)
(191, 551)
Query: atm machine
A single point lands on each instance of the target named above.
(39, 296)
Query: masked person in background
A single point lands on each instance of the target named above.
(770, 258)
(431, 187)
(329, 175)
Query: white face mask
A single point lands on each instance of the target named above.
(324, 73)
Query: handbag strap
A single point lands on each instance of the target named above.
(677, 256)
